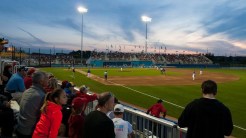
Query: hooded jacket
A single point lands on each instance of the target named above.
(49, 122)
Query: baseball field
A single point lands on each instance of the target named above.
(142, 87)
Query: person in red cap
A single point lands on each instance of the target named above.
(28, 78)
(76, 120)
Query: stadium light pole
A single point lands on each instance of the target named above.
(146, 19)
(82, 10)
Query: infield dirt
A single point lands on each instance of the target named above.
(184, 79)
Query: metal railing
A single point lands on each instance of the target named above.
(146, 126)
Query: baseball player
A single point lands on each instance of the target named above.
(193, 75)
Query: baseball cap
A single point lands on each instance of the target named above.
(69, 84)
(78, 102)
(119, 108)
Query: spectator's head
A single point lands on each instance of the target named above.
(159, 101)
(22, 70)
(30, 71)
(64, 83)
(50, 76)
(84, 89)
(58, 96)
(209, 87)
(8, 68)
(70, 86)
(40, 78)
(78, 104)
(118, 110)
(53, 83)
(106, 102)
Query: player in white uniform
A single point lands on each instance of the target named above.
(122, 128)
(194, 75)
(200, 71)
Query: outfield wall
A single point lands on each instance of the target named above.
(101, 63)
(194, 65)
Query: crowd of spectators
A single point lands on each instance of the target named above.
(48, 110)
(66, 59)
(156, 58)
(43, 59)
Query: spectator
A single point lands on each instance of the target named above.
(15, 85)
(66, 109)
(76, 120)
(70, 92)
(30, 105)
(156, 109)
(51, 76)
(64, 83)
(7, 73)
(110, 114)
(122, 128)
(28, 78)
(206, 117)
(6, 118)
(97, 124)
(51, 117)
(52, 85)
(82, 93)
(69, 89)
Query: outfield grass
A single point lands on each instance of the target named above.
(232, 94)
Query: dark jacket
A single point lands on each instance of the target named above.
(206, 118)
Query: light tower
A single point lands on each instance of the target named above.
(146, 19)
(82, 10)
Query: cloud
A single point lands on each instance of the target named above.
(178, 24)
(38, 40)
(218, 48)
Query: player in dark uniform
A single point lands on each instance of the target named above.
(106, 75)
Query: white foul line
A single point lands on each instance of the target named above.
(239, 127)
(146, 94)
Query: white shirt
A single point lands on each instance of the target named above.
(121, 128)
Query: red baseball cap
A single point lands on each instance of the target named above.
(78, 102)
